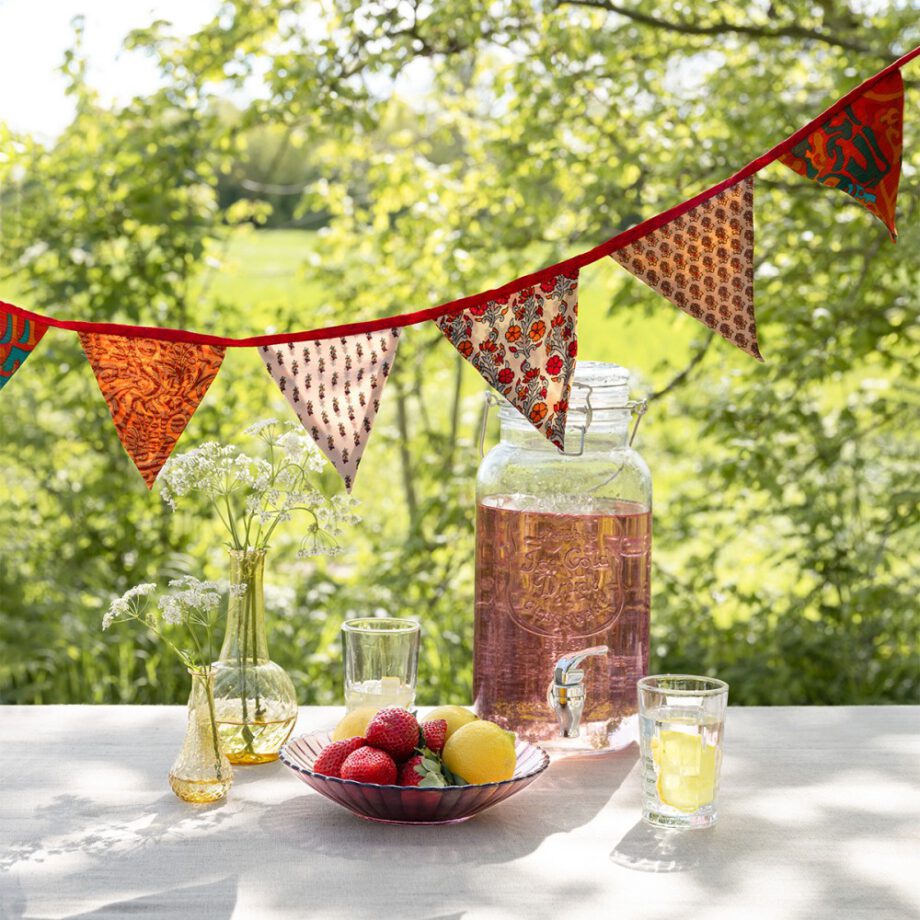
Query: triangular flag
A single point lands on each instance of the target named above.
(703, 262)
(858, 150)
(152, 388)
(18, 338)
(334, 386)
(524, 345)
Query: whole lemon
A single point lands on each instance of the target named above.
(454, 716)
(355, 723)
(481, 752)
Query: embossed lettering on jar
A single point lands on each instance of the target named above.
(563, 554)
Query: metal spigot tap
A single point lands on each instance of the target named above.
(566, 693)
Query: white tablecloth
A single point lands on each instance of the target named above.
(820, 816)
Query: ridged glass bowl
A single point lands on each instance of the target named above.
(410, 804)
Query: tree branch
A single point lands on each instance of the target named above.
(402, 422)
(680, 378)
(721, 27)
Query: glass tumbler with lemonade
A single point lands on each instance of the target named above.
(681, 720)
(381, 662)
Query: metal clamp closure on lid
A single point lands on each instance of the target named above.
(637, 407)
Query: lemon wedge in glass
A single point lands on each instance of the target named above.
(686, 770)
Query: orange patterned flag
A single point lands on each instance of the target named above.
(152, 388)
(703, 262)
(858, 150)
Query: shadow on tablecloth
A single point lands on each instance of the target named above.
(814, 813)
(658, 849)
(569, 795)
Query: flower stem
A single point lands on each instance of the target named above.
(255, 646)
(242, 643)
(212, 715)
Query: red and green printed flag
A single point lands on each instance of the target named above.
(524, 345)
(858, 150)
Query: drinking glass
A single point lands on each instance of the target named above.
(381, 662)
(681, 718)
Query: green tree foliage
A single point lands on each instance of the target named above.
(453, 146)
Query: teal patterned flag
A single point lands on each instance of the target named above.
(17, 339)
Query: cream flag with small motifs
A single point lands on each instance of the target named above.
(334, 385)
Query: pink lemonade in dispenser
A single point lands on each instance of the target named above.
(563, 558)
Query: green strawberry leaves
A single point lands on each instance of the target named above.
(432, 781)
(453, 779)
(434, 773)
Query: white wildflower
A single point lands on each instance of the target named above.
(253, 495)
(141, 590)
(187, 596)
(127, 605)
(318, 542)
(207, 469)
(171, 610)
(261, 427)
(293, 444)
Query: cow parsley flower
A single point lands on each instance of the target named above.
(253, 495)
(130, 604)
(189, 606)
(189, 596)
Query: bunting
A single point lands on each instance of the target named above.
(703, 262)
(521, 337)
(335, 386)
(524, 345)
(19, 338)
(858, 150)
(152, 389)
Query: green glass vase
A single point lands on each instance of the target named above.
(254, 697)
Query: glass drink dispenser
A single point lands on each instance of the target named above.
(563, 555)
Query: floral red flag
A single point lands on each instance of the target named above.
(858, 150)
(152, 388)
(524, 345)
(18, 338)
(335, 385)
(703, 262)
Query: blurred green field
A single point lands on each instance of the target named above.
(262, 275)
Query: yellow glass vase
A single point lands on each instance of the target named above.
(201, 772)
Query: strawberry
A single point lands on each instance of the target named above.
(369, 765)
(395, 731)
(435, 734)
(408, 775)
(332, 756)
(424, 771)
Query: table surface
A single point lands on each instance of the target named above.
(820, 810)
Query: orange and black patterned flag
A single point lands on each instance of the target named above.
(152, 388)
